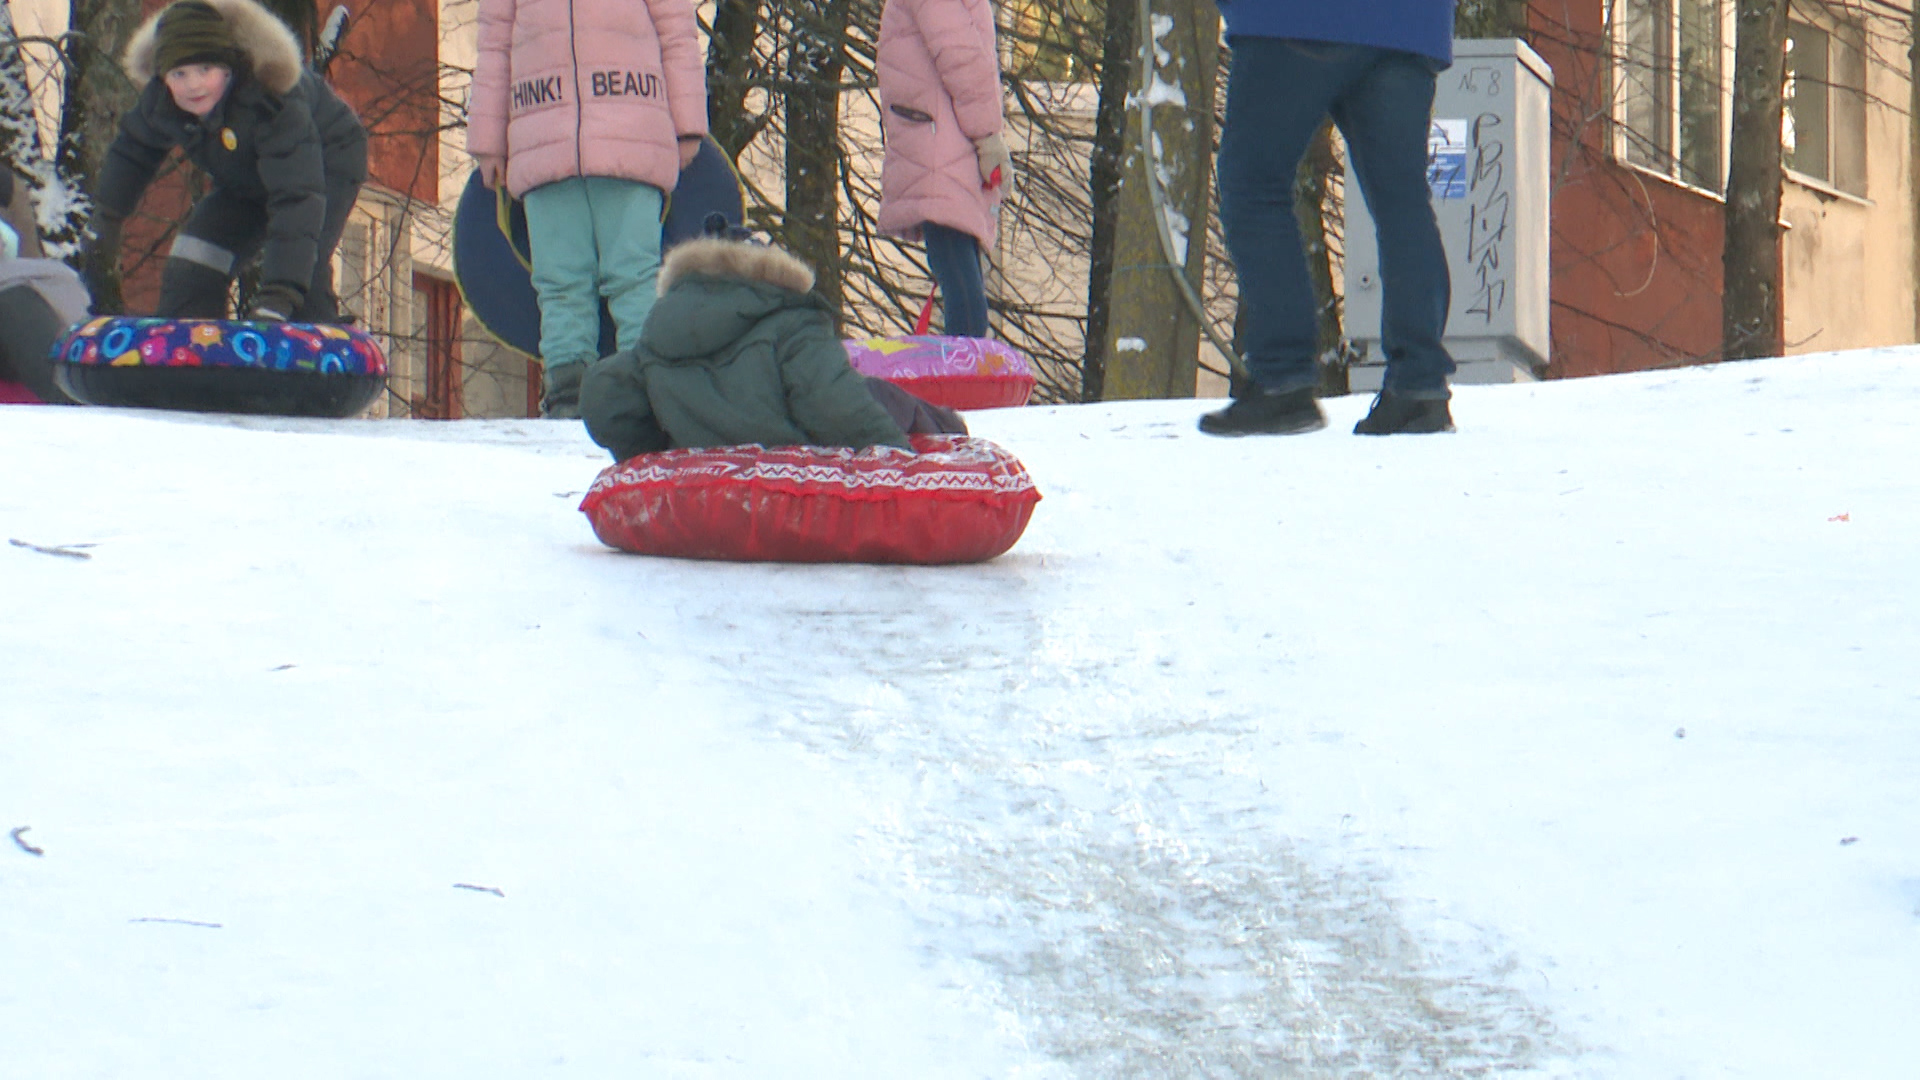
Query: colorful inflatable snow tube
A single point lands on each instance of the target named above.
(956, 499)
(210, 365)
(958, 372)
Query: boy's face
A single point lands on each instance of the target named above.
(197, 88)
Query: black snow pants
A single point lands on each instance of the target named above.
(222, 233)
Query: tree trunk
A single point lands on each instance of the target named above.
(730, 68)
(1313, 196)
(94, 92)
(1153, 338)
(1751, 314)
(1118, 55)
(816, 61)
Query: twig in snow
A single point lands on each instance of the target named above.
(19, 837)
(480, 888)
(65, 551)
(181, 922)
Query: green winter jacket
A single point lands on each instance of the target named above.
(736, 351)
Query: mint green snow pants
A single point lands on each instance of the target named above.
(593, 237)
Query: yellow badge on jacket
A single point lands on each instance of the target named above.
(228, 139)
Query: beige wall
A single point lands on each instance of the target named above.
(42, 19)
(458, 45)
(1850, 280)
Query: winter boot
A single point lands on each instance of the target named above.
(1395, 415)
(1261, 412)
(560, 391)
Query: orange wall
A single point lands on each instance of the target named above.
(388, 70)
(1636, 276)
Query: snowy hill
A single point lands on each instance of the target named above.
(1583, 742)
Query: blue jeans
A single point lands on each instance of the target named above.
(593, 237)
(954, 258)
(1278, 92)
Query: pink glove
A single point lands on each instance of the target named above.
(492, 169)
(689, 149)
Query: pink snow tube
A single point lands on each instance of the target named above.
(958, 372)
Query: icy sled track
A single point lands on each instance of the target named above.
(1580, 743)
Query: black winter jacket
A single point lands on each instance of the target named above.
(280, 139)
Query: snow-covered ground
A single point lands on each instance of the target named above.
(1583, 742)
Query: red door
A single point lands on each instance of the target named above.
(444, 373)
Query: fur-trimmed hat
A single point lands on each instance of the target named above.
(192, 32)
(743, 260)
(261, 41)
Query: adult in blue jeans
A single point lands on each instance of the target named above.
(1370, 67)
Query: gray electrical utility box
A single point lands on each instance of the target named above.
(1489, 167)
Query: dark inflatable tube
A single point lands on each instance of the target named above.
(29, 330)
(953, 499)
(214, 365)
(39, 300)
(493, 257)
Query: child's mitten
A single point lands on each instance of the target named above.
(996, 163)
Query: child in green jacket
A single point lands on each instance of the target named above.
(738, 350)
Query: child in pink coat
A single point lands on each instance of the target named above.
(588, 110)
(947, 164)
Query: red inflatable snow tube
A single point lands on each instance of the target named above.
(957, 499)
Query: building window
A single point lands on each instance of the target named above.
(1669, 78)
(1826, 115)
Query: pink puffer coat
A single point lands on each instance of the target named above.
(939, 72)
(565, 88)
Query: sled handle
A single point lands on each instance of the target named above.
(503, 210)
(926, 317)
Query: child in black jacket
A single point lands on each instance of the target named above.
(228, 83)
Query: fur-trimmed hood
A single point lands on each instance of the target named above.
(736, 260)
(738, 349)
(269, 45)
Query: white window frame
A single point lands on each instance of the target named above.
(1839, 37)
(1630, 70)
